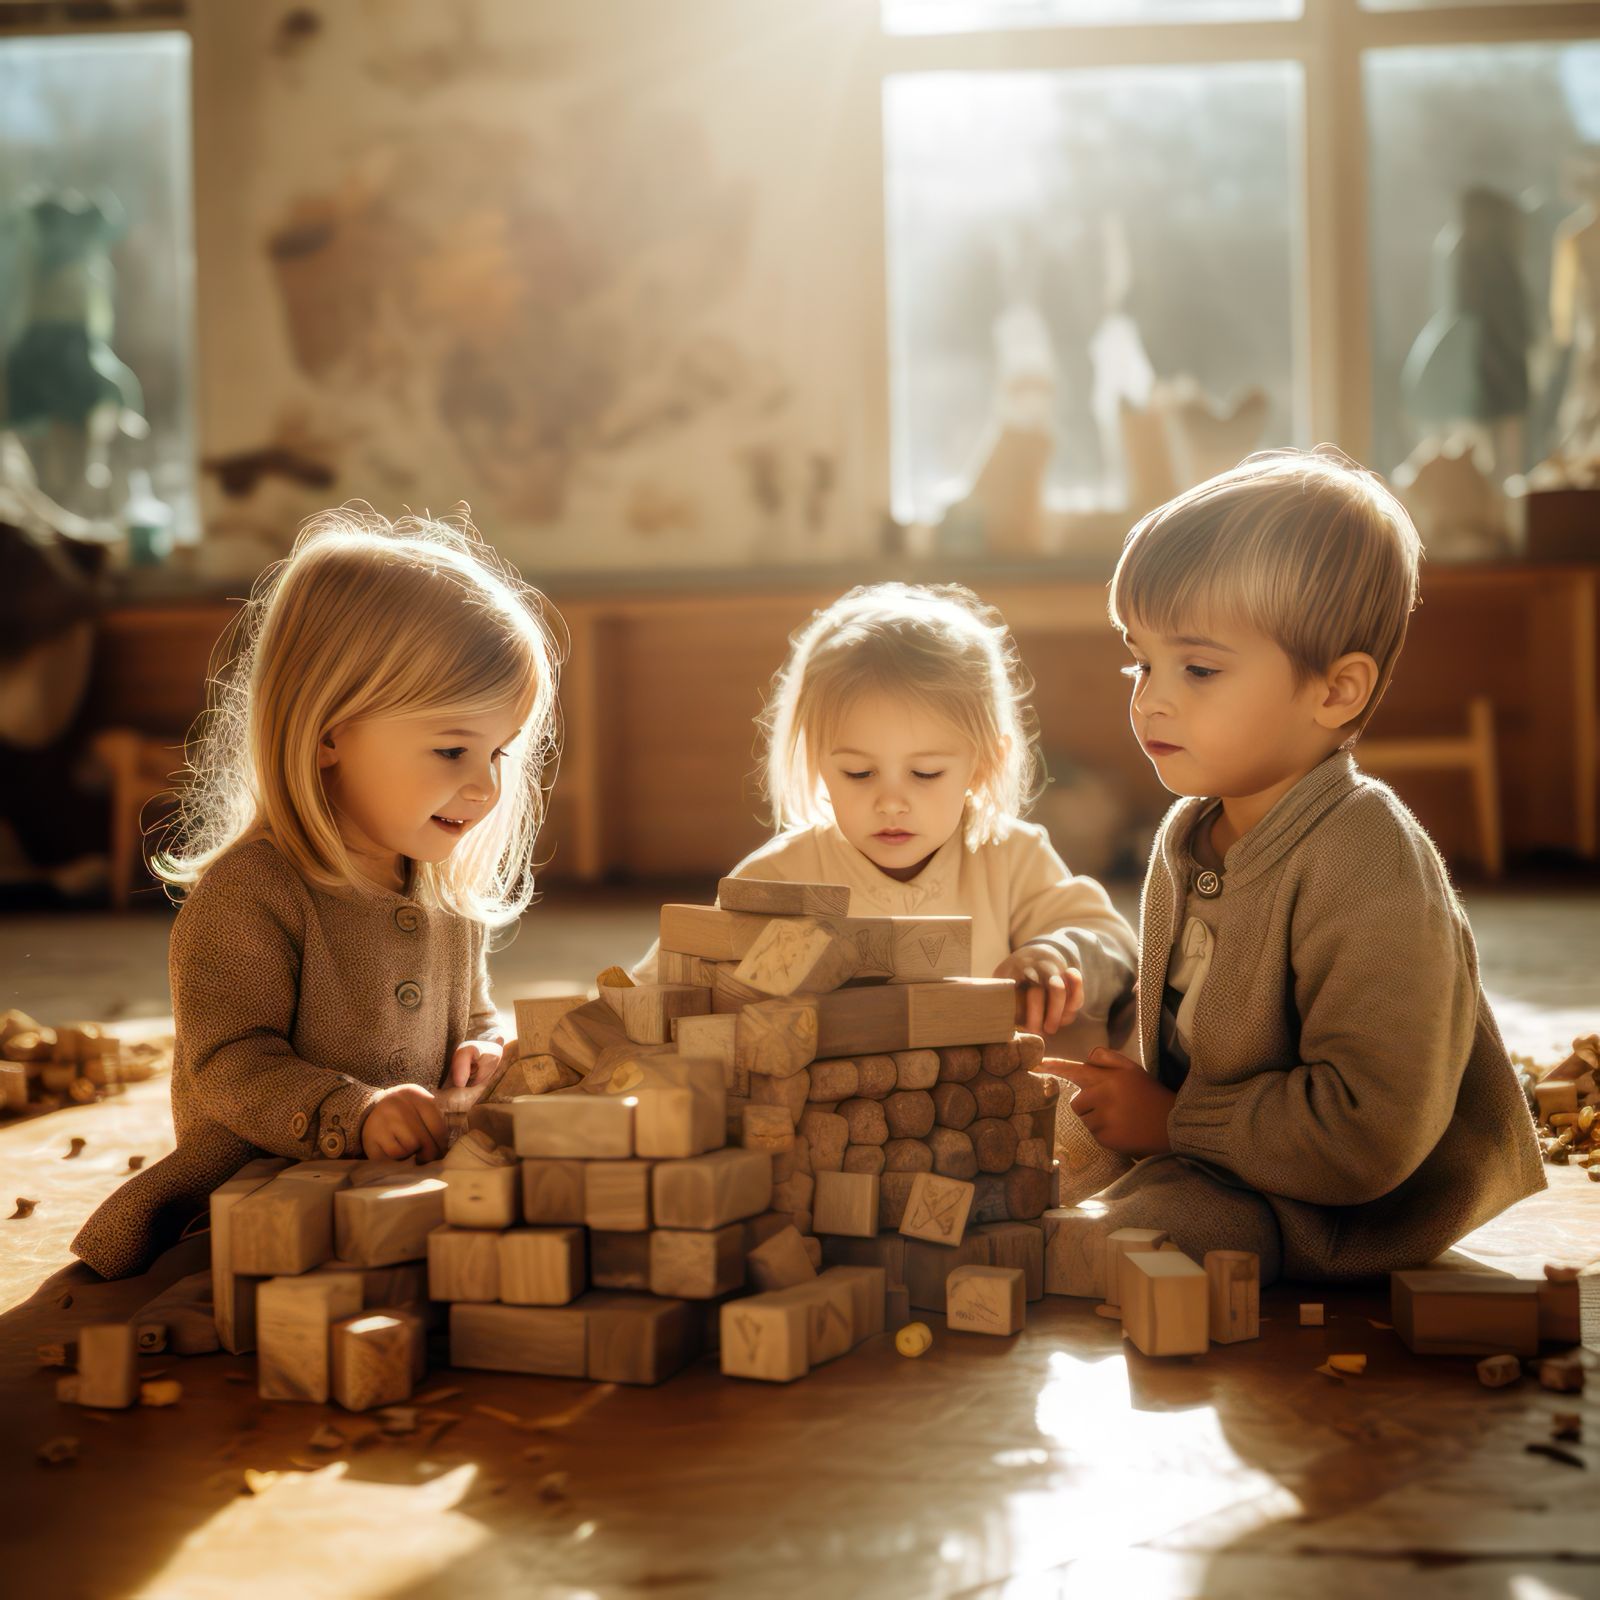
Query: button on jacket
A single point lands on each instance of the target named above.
(293, 1008)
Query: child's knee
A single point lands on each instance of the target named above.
(1196, 1212)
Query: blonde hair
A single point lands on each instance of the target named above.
(1307, 548)
(368, 618)
(938, 645)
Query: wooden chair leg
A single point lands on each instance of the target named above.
(1486, 786)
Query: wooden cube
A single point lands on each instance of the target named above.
(845, 1202)
(1439, 1313)
(537, 1019)
(387, 1222)
(771, 897)
(829, 1301)
(713, 1037)
(616, 1196)
(386, 1288)
(108, 1365)
(695, 1264)
(712, 1190)
(1234, 1278)
(798, 955)
(548, 1341)
(926, 949)
(937, 1209)
(293, 1321)
(766, 1336)
(981, 1299)
(1165, 1303)
(928, 1267)
(1120, 1243)
(233, 1299)
(777, 1038)
(374, 1359)
(886, 1018)
(463, 1264)
(769, 1128)
(682, 1108)
(619, 1261)
(868, 1289)
(1311, 1314)
(574, 1125)
(553, 1193)
(1020, 1245)
(285, 1228)
(639, 1338)
(1495, 1372)
(780, 1261)
(647, 1010)
(541, 1266)
(1553, 1098)
(481, 1197)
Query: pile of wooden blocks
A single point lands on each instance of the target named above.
(1566, 1103)
(1439, 1312)
(42, 1068)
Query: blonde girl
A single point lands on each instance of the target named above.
(362, 805)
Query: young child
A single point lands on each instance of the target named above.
(899, 756)
(1323, 1082)
(362, 810)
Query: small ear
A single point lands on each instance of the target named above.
(327, 756)
(1347, 690)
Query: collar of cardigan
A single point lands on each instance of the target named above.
(877, 889)
(1283, 827)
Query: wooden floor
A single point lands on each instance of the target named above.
(1057, 1463)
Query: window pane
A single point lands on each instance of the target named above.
(973, 16)
(1058, 241)
(1477, 173)
(96, 268)
(1436, 5)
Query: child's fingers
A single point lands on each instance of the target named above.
(1055, 1002)
(461, 1064)
(1113, 1060)
(1078, 1072)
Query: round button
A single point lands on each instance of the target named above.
(1207, 885)
(298, 1124)
(409, 995)
(407, 918)
(332, 1145)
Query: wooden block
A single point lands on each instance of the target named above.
(582, 1034)
(907, 1155)
(293, 1319)
(476, 1148)
(794, 1193)
(1555, 1097)
(710, 932)
(846, 1202)
(713, 1037)
(463, 1264)
(525, 1075)
(647, 1010)
(233, 1299)
(1234, 1295)
(868, 1288)
(729, 995)
(639, 1338)
(798, 956)
(541, 1266)
(1019, 1245)
(1086, 1166)
(374, 1359)
(285, 1227)
(1164, 1298)
(991, 1096)
(928, 1267)
(1439, 1312)
(953, 1155)
(758, 1229)
(896, 1308)
(682, 1108)
(826, 1134)
(673, 966)
(830, 1316)
(481, 1197)
(883, 1019)
(894, 1194)
(865, 1122)
(552, 1192)
(925, 949)
(548, 1341)
(797, 1158)
(387, 1222)
(1121, 1243)
(1311, 1314)
(1563, 1374)
(690, 1264)
(789, 1093)
(981, 1299)
(386, 1288)
(619, 1260)
(773, 898)
(537, 1019)
(574, 1125)
(766, 1336)
(1559, 1319)
(994, 1144)
(937, 1209)
(778, 1037)
(712, 1190)
(13, 1086)
(864, 1159)
(779, 1262)
(886, 1250)
(768, 1128)
(108, 1365)
(616, 1196)
(1495, 1372)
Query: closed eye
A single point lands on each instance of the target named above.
(1202, 673)
(858, 776)
(454, 753)
(927, 776)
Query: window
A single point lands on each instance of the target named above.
(962, 16)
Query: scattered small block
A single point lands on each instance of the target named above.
(541, 1266)
(847, 1203)
(1121, 1242)
(937, 1209)
(1164, 1298)
(1312, 1314)
(108, 1365)
(1561, 1374)
(463, 1264)
(1440, 1312)
(1234, 1277)
(375, 1358)
(293, 1319)
(694, 1264)
(981, 1299)
(1495, 1372)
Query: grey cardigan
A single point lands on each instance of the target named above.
(293, 1007)
(1345, 1062)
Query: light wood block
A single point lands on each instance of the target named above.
(541, 1266)
(682, 1108)
(1085, 1165)
(798, 955)
(478, 1148)
(926, 949)
(790, 1093)
(981, 1299)
(713, 1037)
(829, 1302)
(387, 1288)
(387, 1222)
(463, 1264)
(886, 1250)
(285, 1227)
(766, 1336)
(552, 1192)
(691, 1264)
(108, 1365)
(1165, 1303)
(768, 1128)
(774, 898)
(616, 1196)
(779, 1262)
(1555, 1098)
(827, 1135)
(777, 1038)
(619, 1260)
(1074, 1251)
(1440, 1313)
(574, 1125)
(937, 1209)
(1234, 1278)
(928, 1267)
(845, 1202)
(639, 1338)
(547, 1341)
(585, 1033)
(710, 932)
(525, 1075)
(233, 1299)
(647, 1010)
(712, 1190)
(481, 1197)
(868, 1291)
(537, 1019)
(1019, 1245)
(672, 966)
(293, 1319)
(1120, 1243)
(374, 1358)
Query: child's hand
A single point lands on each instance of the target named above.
(475, 1060)
(1118, 1101)
(404, 1121)
(1049, 992)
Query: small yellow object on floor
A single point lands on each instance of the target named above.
(914, 1339)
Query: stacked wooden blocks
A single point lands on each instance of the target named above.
(43, 1067)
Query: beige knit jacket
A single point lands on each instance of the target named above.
(1345, 1061)
(293, 1007)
